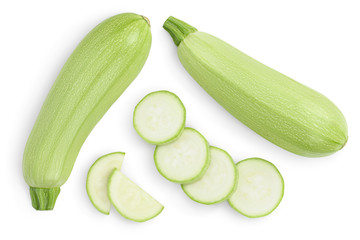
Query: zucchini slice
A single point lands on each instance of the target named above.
(130, 200)
(218, 182)
(259, 190)
(98, 177)
(184, 160)
(159, 117)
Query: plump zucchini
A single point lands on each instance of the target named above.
(99, 70)
(275, 106)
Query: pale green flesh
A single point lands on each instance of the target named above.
(130, 200)
(217, 183)
(185, 159)
(98, 177)
(259, 190)
(275, 106)
(159, 117)
(95, 75)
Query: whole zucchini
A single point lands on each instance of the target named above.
(283, 111)
(102, 66)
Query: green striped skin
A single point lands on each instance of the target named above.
(99, 70)
(285, 112)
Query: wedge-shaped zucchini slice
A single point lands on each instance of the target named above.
(130, 200)
(259, 190)
(159, 117)
(98, 177)
(184, 160)
(218, 182)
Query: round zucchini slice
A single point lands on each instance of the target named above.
(218, 182)
(259, 190)
(159, 117)
(184, 160)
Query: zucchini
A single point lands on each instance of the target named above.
(285, 112)
(99, 70)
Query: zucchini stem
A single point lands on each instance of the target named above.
(44, 198)
(178, 29)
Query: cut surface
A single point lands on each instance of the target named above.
(159, 117)
(98, 177)
(185, 159)
(130, 200)
(217, 183)
(259, 190)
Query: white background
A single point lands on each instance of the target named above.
(314, 42)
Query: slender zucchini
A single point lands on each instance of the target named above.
(99, 70)
(283, 111)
